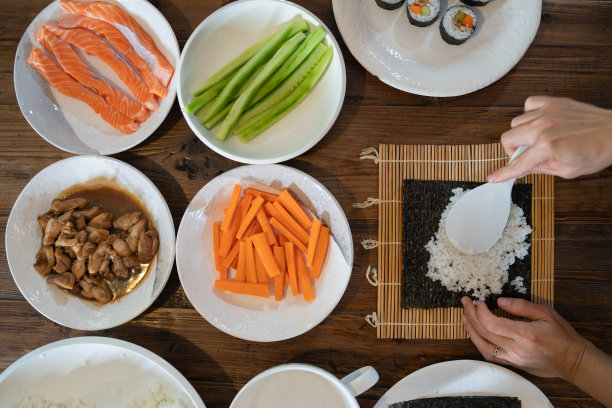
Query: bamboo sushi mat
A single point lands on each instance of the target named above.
(447, 162)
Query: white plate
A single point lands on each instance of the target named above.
(249, 317)
(224, 35)
(23, 239)
(93, 370)
(71, 125)
(464, 377)
(417, 60)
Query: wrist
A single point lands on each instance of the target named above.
(571, 365)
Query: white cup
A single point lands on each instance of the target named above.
(303, 385)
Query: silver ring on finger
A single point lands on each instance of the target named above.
(496, 352)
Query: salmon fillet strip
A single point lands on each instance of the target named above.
(122, 44)
(65, 84)
(93, 45)
(115, 15)
(74, 66)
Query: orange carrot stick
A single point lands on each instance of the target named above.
(279, 280)
(250, 216)
(265, 253)
(287, 200)
(251, 274)
(282, 240)
(290, 223)
(320, 253)
(303, 279)
(243, 288)
(254, 228)
(276, 224)
(265, 226)
(231, 207)
(416, 9)
(228, 237)
(262, 194)
(468, 21)
(218, 266)
(312, 242)
(231, 256)
(279, 256)
(235, 263)
(241, 270)
(260, 270)
(290, 256)
(245, 204)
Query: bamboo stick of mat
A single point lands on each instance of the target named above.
(448, 162)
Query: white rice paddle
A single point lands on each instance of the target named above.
(477, 220)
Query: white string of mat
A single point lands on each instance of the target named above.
(372, 320)
(372, 154)
(372, 275)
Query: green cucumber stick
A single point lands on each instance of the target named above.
(197, 104)
(284, 89)
(271, 116)
(244, 100)
(306, 47)
(246, 71)
(240, 60)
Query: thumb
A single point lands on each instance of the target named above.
(523, 308)
(521, 166)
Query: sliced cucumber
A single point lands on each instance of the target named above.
(197, 104)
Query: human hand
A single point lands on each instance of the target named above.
(546, 346)
(566, 138)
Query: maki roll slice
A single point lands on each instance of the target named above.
(458, 24)
(423, 13)
(476, 3)
(390, 4)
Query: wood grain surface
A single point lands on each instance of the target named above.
(570, 56)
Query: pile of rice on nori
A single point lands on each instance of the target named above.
(423, 202)
(461, 402)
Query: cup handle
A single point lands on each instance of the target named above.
(359, 381)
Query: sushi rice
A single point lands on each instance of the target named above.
(422, 20)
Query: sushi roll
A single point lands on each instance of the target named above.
(423, 13)
(458, 24)
(476, 3)
(390, 4)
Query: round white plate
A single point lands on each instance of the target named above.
(23, 240)
(417, 60)
(84, 371)
(249, 317)
(71, 125)
(224, 35)
(464, 377)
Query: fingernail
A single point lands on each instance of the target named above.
(493, 178)
(464, 300)
(503, 301)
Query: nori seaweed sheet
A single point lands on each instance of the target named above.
(423, 202)
(461, 402)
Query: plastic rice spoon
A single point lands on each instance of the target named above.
(476, 221)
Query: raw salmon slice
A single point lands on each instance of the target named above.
(74, 66)
(65, 84)
(115, 15)
(93, 45)
(122, 44)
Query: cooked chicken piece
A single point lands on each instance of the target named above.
(78, 269)
(95, 290)
(80, 222)
(118, 267)
(97, 235)
(64, 280)
(121, 247)
(45, 260)
(134, 235)
(43, 220)
(81, 239)
(126, 221)
(148, 245)
(52, 230)
(131, 261)
(65, 218)
(88, 213)
(97, 258)
(102, 221)
(59, 206)
(87, 249)
(63, 262)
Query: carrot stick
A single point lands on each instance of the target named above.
(241, 270)
(416, 9)
(290, 256)
(254, 228)
(312, 242)
(254, 289)
(320, 253)
(218, 266)
(468, 21)
(250, 216)
(245, 203)
(231, 207)
(290, 223)
(271, 211)
(233, 253)
(265, 226)
(228, 237)
(287, 200)
(265, 253)
(279, 256)
(286, 277)
(234, 264)
(279, 280)
(262, 194)
(282, 240)
(279, 286)
(303, 279)
(260, 270)
(251, 274)
(276, 224)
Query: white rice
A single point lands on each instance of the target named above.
(480, 274)
(434, 6)
(451, 29)
(37, 401)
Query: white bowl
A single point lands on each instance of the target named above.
(23, 240)
(93, 370)
(224, 35)
(71, 125)
(249, 317)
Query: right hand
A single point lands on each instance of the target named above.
(566, 138)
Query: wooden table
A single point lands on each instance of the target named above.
(571, 56)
